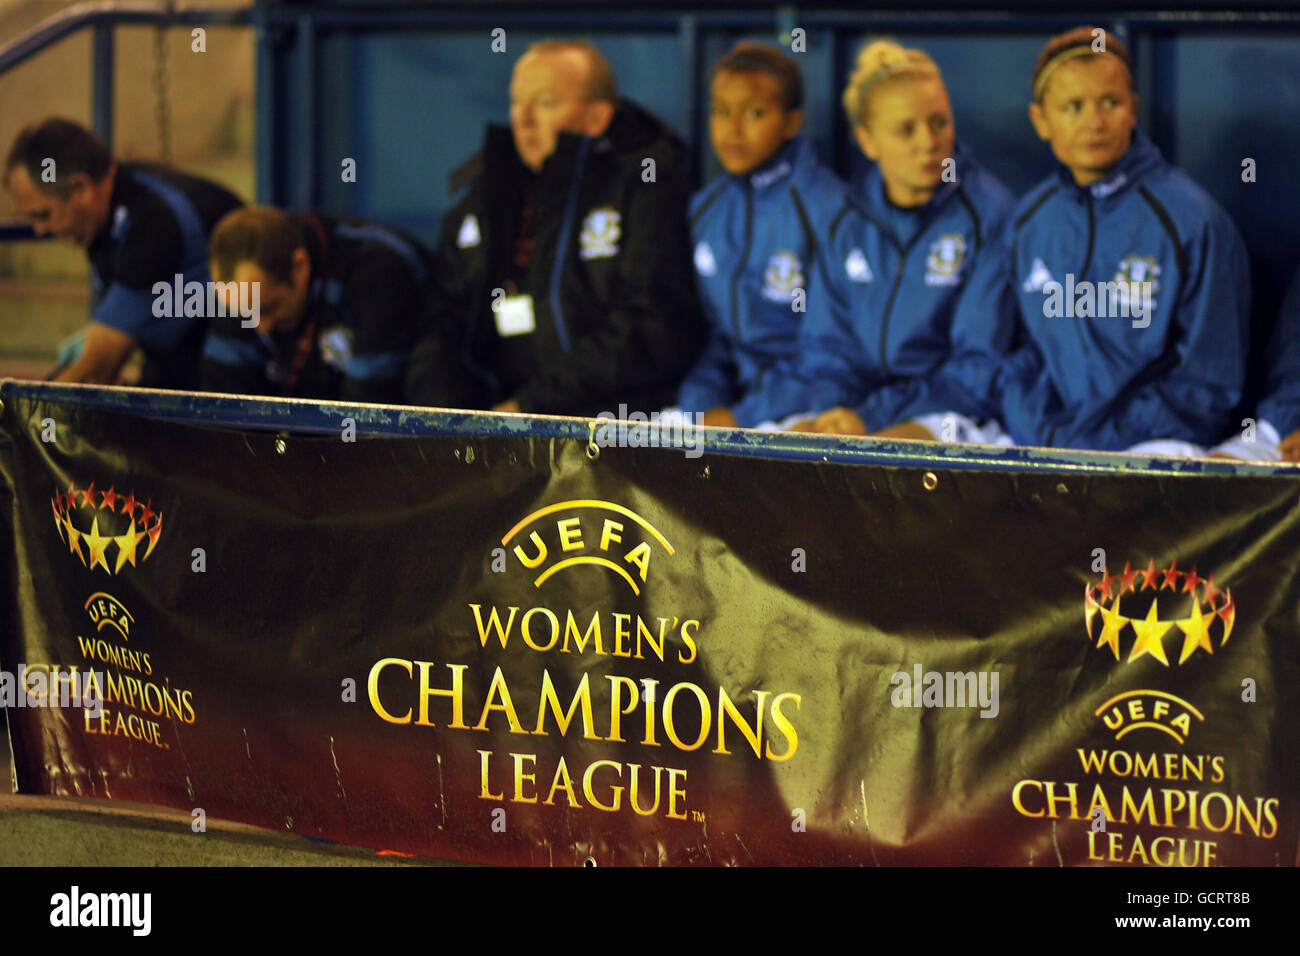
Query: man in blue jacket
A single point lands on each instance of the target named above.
(142, 225)
(1132, 283)
(757, 230)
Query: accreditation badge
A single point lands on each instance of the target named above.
(514, 315)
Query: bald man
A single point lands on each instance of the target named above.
(563, 277)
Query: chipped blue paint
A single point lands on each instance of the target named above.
(306, 417)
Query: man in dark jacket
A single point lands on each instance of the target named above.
(563, 280)
(337, 302)
(144, 228)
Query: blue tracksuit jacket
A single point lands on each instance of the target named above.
(1281, 405)
(1102, 380)
(756, 237)
(892, 278)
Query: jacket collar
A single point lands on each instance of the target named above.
(633, 129)
(775, 173)
(1142, 156)
(873, 196)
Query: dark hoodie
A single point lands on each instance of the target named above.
(610, 277)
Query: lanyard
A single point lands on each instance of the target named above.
(306, 340)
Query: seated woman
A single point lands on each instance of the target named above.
(1131, 285)
(756, 228)
(898, 254)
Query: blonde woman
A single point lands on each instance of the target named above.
(898, 254)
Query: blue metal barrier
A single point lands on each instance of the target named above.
(308, 417)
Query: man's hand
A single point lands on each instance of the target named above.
(840, 421)
(1290, 446)
(907, 430)
(105, 352)
(509, 405)
(720, 416)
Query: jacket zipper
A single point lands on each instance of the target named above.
(1087, 264)
(903, 252)
(743, 261)
(562, 250)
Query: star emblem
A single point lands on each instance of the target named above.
(109, 499)
(1126, 580)
(126, 545)
(1196, 633)
(88, 496)
(1150, 632)
(1113, 623)
(74, 539)
(97, 544)
(153, 536)
(1227, 614)
(1211, 592)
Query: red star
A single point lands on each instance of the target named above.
(128, 505)
(58, 518)
(146, 512)
(1126, 579)
(1227, 614)
(109, 498)
(153, 536)
(1104, 587)
(1149, 575)
(88, 496)
(1171, 577)
(1211, 592)
(1190, 581)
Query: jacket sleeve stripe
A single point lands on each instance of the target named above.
(839, 217)
(1036, 206)
(232, 351)
(974, 215)
(1167, 221)
(708, 201)
(806, 222)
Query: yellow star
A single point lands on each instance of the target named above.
(126, 543)
(98, 545)
(1112, 624)
(74, 538)
(1196, 632)
(1150, 633)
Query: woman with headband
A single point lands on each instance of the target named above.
(898, 255)
(1132, 284)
